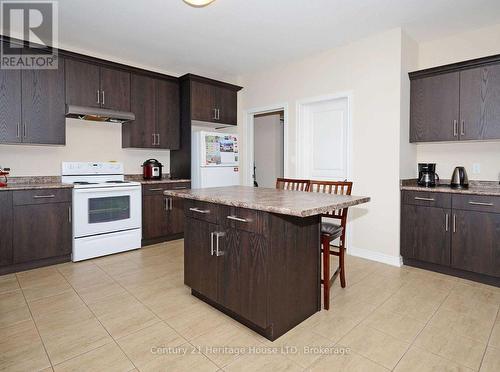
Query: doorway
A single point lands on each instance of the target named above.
(268, 148)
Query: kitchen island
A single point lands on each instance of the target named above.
(254, 253)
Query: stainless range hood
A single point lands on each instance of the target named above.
(98, 114)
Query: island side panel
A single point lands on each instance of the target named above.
(294, 271)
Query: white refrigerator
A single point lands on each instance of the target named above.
(214, 160)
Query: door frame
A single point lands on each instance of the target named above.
(301, 126)
(250, 117)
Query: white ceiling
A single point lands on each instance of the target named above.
(234, 37)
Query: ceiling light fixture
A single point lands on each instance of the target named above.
(198, 3)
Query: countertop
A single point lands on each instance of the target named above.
(35, 186)
(293, 203)
(491, 188)
(138, 178)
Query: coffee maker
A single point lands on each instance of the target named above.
(427, 176)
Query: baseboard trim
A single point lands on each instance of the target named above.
(376, 256)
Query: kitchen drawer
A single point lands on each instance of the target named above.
(201, 210)
(479, 203)
(427, 198)
(158, 188)
(244, 219)
(42, 196)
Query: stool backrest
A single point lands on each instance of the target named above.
(333, 187)
(292, 184)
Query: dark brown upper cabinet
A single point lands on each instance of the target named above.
(434, 108)
(91, 85)
(32, 104)
(155, 103)
(480, 103)
(213, 101)
(456, 102)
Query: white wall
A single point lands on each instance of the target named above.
(268, 149)
(85, 141)
(461, 47)
(370, 70)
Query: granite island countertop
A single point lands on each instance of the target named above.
(488, 188)
(293, 203)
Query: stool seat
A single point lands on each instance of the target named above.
(331, 229)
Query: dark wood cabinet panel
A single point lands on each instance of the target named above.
(434, 108)
(476, 242)
(176, 217)
(227, 103)
(140, 132)
(43, 106)
(10, 106)
(154, 217)
(203, 101)
(200, 266)
(168, 114)
(242, 275)
(82, 83)
(115, 89)
(480, 103)
(41, 231)
(6, 228)
(425, 234)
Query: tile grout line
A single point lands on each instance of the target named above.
(36, 326)
(489, 338)
(95, 316)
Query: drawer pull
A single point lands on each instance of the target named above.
(424, 199)
(44, 196)
(180, 187)
(203, 211)
(234, 218)
(483, 204)
(158, 189)
(447, 222)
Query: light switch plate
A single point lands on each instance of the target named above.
(476, 168)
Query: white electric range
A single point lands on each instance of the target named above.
(107, 210)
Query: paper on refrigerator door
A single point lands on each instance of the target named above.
(221, 150)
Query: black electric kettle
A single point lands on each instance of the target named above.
(459, 179)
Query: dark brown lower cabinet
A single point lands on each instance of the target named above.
(260, 268)
(162, 216)
(41, 231)
(200, 265)
(458, 234)
(476, 242)
(425, 232)
(5, 228)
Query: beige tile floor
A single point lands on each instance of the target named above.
(132, 312)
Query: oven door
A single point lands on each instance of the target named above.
(105, 210)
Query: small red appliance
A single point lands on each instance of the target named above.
(4, 173)
(152, 169)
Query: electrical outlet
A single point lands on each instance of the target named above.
(476, 168)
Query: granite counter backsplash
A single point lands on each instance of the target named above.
(475, 187)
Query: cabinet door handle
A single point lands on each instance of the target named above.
(424, 199)
(215, 114)
(154, 139)
(166, 204)
(102, 97)
(202, 211)
(158, 143)
(447, 221)
(454, 223)
(44, 196)
(455, 128)
(483, 204)
(18, 130)
(462, 128)
(234, 218)
(158, 189)
(98, 97)
(69, 214)
(218, 114)
(212, 243)
(25, 130)
(218, 252)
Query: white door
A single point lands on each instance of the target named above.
(323, 139)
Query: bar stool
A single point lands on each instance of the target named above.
(292, 184)
(331, 231)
